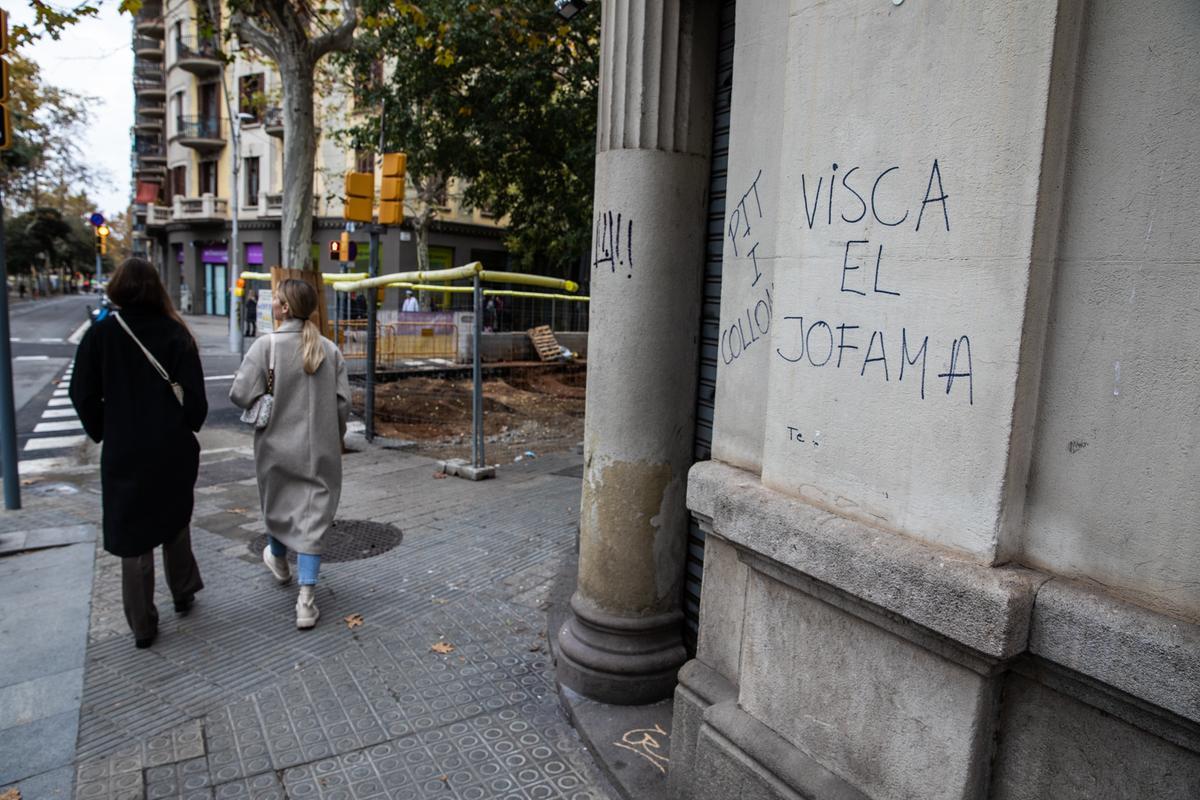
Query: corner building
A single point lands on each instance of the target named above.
(892, 450)
(185, 88)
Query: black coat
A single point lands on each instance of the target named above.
(150, 458)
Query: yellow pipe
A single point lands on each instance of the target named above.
(453, 274)
(529, 280)
(510, 293)
(486, 292)
(328, 277)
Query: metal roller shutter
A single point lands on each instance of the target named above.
(710, 314)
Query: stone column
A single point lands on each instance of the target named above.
(622, 643)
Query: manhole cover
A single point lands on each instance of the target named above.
(347, 540)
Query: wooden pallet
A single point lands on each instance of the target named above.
(548, 348)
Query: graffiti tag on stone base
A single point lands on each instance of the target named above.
(647, 743)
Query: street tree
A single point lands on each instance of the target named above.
(45, 165)
(45, 239)
(501, 95)
(295, 35)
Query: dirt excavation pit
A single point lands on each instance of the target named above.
(534, 409)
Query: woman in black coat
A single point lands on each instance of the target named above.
(150, 458)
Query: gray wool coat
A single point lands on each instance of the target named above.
(298, 456)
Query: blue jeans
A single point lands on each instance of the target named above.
(309, 564)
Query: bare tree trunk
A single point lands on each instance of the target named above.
(299, 155)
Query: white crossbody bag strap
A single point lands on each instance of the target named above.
(149, 356)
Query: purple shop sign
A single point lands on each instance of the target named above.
(254, 253)
(214, 254)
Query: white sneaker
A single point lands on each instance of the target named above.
(307, 612)
(278, 566)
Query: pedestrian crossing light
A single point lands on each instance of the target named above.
(360, 196)
(391, 190)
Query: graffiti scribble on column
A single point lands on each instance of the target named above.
(612, 244)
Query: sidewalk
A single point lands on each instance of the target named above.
(233, 701)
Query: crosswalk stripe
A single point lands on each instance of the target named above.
(57, 413)
(58, 427)
(59, 401)
(54, 442)
(35, 466)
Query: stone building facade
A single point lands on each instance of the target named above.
(948, 512)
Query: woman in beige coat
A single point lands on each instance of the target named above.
(298, 456)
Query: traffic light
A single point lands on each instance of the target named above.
(240, 288)
(391, 190)
(102, 239)
(337, 248)
(6, 132)
(360, 196)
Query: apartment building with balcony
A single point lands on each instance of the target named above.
(187, 81)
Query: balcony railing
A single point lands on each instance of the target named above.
(198, 127)
(147, 77)
(157, 216)
(273, 205)
(147, 48)
(197, 54)
(150, 150)
(206, 206)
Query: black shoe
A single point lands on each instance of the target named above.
(184, 605)
(142, 644)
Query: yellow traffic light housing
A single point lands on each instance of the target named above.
(391, 194)
(360, 197)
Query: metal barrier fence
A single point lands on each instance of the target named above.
(397, 342)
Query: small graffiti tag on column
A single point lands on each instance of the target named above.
(613, 243)
(646, 743)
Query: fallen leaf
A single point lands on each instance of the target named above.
(238, 510)
(11, 794)
(437, 476)
(26, 482)
(354, 621)
(536, 647)
(442, 647)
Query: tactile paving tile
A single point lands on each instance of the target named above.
(186, 779)
(323, 711)
(256, 787)
(116, 777)
(499, 755)
(273, 699)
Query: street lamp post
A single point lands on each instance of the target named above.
(237, 342)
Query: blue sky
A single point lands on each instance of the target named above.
(95, 58)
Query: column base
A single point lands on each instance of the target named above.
(620, 660)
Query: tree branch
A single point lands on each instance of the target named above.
(250, 33)
(340, 37)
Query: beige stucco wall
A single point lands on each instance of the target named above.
(752, 207)
(1115, 486)
(848, 422)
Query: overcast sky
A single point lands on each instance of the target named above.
(95, 58)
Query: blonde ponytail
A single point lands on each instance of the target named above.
(311, 347)
(301, 299)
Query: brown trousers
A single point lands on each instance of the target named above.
(137, 582)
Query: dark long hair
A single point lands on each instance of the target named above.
(136, 286)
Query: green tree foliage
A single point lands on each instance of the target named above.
(51, 20)
(499, 93)
(44, 238)
(45, 165)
